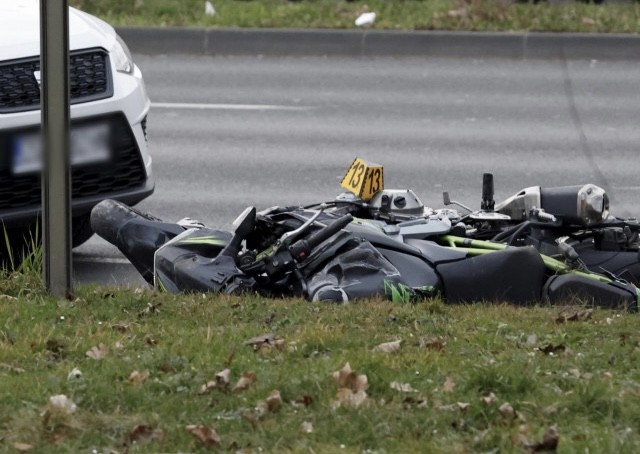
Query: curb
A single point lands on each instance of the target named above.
(376, 43)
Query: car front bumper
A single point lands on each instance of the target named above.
(127, 177)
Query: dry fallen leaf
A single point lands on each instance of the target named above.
(461, 406)
(221, 381)
(549, 441)
(349, 398)
(575, 372)
(56, 348)
(207, 387)
(22, 447)
(403, 387)
(207, 435)
(347, 378)
(137, 377)
(151, 341)
(448, 385)
(522, 437)
(264, 339)
(223, 377)
(352, 392)
(433, 343)
(152, 308)
(307, 427)
(488, 399)
(274, 401)
(507, 411)
(420, 402)
(144, 433)
(120, 327)
(75, 374)
(247, 379)
(303, 401)
(553, 349)
(388, 347)
(98, 352)
(62, 403)
(576, 316)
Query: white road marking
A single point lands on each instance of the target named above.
(184, 105)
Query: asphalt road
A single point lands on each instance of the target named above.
(229, 132)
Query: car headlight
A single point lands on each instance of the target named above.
(121, 56)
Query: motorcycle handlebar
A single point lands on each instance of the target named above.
(301, 249)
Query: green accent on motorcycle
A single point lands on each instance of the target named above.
(427, 291)
(399, 293)
(264, 254)
(212, 240)
(160, 285)
(480, 247)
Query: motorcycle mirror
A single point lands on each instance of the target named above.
(245, 222)
(445, 198)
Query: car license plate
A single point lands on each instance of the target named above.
(89, 145)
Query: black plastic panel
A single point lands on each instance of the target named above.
(89, 80)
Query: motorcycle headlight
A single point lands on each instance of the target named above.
(121, 56)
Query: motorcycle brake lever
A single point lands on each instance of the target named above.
(542, 216)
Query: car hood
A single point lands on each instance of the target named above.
(20, 30)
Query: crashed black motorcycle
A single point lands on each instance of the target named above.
(324, 253)
(571, 224)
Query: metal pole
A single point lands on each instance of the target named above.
(56, 175)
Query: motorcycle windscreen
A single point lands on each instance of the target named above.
(514, 275)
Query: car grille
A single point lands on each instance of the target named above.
(125, 171)
(89, 80)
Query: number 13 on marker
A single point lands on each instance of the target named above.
(363, 179)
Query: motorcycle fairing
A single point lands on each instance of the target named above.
(358, 271)
(416, 272)
(138, 242)
(190, 262)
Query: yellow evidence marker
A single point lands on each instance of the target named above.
(363, 179)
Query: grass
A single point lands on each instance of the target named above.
(144, 358)
(481, 15)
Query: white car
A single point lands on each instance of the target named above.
(109, 106)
